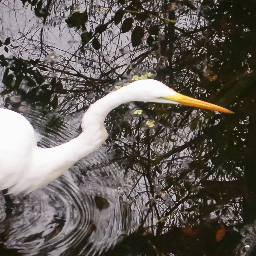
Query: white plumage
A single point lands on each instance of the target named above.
(25, 167)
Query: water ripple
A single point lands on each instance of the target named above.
(64, 218)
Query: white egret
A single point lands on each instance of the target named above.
(25, 167)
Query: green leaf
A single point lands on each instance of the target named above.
(149, 74)
(135, 78)
(138, 112)
(142, 77)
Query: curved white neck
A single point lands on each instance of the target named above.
(54, 161)
(100, 109)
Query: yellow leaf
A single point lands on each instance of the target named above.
(135, 78)
(138, 112)
(149, 74)
(150, 123)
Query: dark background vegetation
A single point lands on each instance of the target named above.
(194, 171)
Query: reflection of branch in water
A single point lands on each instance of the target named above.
(152, 13)
(194, 141)
(8, 204)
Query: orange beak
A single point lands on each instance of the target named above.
(188, 101)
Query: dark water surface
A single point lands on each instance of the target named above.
(169, 180)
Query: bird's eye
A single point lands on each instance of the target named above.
(161, 98)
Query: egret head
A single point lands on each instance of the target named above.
(154, 91)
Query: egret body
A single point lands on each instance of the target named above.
(25, 167)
